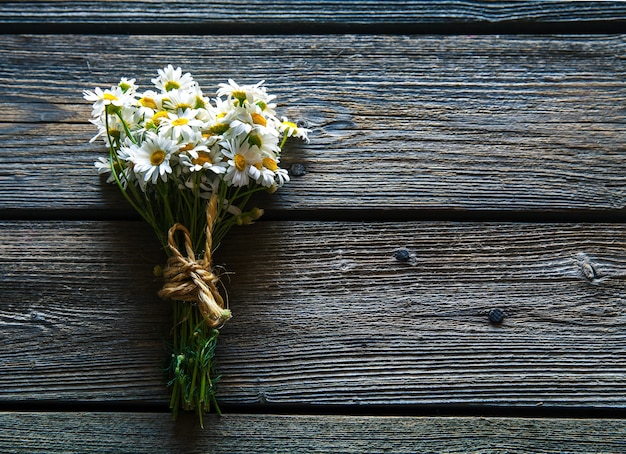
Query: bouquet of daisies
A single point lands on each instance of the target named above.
(189, 165)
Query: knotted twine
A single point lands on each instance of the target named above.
(191, 280)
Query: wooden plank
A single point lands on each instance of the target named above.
(71, 303)
(324, 314)
(154, 433)
(230, 15)
(399, 122)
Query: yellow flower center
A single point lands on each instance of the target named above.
(180, 121)
(270, 164)
(200, 103)
(148, 102)
(258, 119)
(156, 118)
(289, 124)
(185, 147)
(171, 85)
(124, 86)
(240, 96)
(219, 128)
(109, 97)
(157, 157)
(240, 162)
(203, 158)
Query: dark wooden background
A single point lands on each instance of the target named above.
(485, 138)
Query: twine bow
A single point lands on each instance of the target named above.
(188, 279)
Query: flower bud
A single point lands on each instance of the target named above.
(256, 213)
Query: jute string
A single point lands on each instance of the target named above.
(188, 279)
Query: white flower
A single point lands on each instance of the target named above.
(201, 158)
(181, 125)
(183, 99)
(102, 130)
(173, 79)
(252, 94)
(240, 128)
(127, 85)
(109, 97)
(252, 117)
(282, 176)
(241, 163)
(270, 173)
(103, 165)
(266, 140)
(292, 130)
(122, 167)
(266, 177)
(225, 110)
(115, 132)
(151, 160)
(150, 102)
(175, 134)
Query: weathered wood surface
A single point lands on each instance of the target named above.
(230, 16)
(486, 123)
(155, 433)
(324, 314)
(407, 129)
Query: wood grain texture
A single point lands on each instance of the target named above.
(325, 315)
(399, 122)
(156, 433)
(241, 17)
(71, 303)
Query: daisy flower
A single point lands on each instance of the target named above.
(266, 140)
(150, 102)
(225, 110)
(292, 130)
(270, 173)
(201, 158)
(183, 99)
(241, 162)
(282, 176)
(113, 96)
(122, 166)
(115, 132)
(103, 165)
(102, 131)
(127, 85)
(251, 116)
(253, 94)
(180, 126)
(173, 79)
(151, 159)
(266, 176)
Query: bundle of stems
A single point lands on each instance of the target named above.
(189, 166)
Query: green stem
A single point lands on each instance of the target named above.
(282, 144)
(192, 371)
(126, 128)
